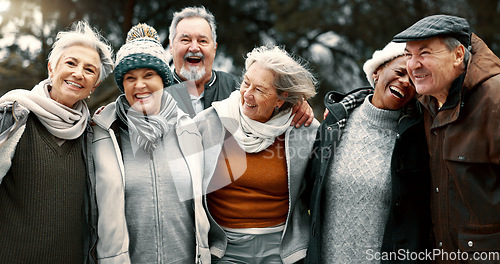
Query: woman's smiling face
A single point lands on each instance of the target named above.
(259, 97)
(143, 90)
(75, 75)
(393, 88)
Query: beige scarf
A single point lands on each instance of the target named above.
(252, 136)
(60, 120)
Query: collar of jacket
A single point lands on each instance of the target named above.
(449, 112)
(105, 116)
(411, 114)
(483, 64)
(341, 105)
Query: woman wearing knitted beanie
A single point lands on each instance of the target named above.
(370, 199)
(45, 192)
(255, 163)
(148, 162)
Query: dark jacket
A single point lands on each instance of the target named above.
(464, 145)
(91, 214)
(408, 225)
(220, 86)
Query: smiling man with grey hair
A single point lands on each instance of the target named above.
(459, 78)
(193, 45)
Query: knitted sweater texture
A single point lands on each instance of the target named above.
(258, 197)
(358, 187)
(41, 200)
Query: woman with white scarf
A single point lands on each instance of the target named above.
(148, 159)
(255, 163)
(45, 191)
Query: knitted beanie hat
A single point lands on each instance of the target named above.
(391, 51)
(142, 49)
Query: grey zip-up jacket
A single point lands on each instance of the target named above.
(298, 147)
(113, 243)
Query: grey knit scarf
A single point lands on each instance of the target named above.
(147, 130)
(61, 121)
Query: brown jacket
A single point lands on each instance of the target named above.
(464, 146)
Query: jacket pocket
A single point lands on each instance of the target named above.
(477, 152)
(479, 238)
(477, 144)
(473, 181)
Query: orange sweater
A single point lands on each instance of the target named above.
(249, 190)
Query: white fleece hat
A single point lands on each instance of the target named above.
(391, 51)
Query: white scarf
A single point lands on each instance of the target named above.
(61, 121)
(252, 136)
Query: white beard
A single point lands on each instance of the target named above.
(192, 73)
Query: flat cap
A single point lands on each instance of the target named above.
(437, 25)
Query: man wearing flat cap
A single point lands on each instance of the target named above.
(458, 77)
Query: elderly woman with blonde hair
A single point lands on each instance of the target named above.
(255, 163)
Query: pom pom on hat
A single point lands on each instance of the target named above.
(142, 31)
(391, 51)
(142, 49)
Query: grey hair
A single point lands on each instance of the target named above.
(451, 43)
(188, 12)
(82, 34)
(290, 74)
